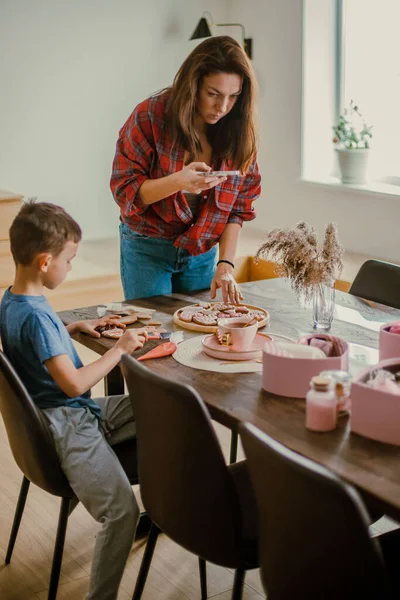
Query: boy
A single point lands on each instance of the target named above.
(44, 240)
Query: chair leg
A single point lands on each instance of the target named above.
(146, 561)
(59, 547)
(203, 578)
(237, 592)
(144, 525)
(234, 447)
(72, 505)
(23, 492)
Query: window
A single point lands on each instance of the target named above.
(369, 73)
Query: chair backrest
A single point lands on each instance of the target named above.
(29, 434)
(314, 541)
(378, 281)
(185, 485)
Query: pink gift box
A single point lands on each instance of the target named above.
(389, 343)
(375, 414)
(286, 376)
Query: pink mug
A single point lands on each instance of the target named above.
(236, 333)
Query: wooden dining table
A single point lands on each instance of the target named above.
(371, 466)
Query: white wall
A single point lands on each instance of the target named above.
(71, 72)
(367, 222)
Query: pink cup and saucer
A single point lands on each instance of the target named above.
(235, 339)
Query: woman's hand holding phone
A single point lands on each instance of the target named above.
(197, 177)
(219, 173)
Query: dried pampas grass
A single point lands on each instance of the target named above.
(298, 256)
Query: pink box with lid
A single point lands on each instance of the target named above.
(389, 343)
(375, 414)
(288, 376)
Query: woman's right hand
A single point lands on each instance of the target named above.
(191, 181)
(132, 340)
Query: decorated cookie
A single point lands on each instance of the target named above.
(205, 319)
(115, 333)
(257, 314)
(128, 319)
(187, 314)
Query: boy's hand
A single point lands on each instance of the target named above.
(132, 340)
(89, 326)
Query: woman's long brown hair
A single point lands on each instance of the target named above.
(234, 137)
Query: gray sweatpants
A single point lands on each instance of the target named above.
(100, 483)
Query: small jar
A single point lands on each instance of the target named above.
(342, 391)
(321, 411)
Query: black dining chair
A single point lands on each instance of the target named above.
(187, 490)
(378, 281)
(34, 452)
(314, 537)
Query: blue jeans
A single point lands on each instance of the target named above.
(151, 266)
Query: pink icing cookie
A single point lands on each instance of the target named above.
(187, 314)
(257, 314)
(115, 333)
(242, 309)
(231, 313)
(205, 319)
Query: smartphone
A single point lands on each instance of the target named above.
(219, 173)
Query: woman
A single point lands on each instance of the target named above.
(172, 213)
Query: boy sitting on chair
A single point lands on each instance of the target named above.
(44, 240)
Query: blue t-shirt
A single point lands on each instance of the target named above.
(32, 333)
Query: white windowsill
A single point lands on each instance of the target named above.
(372, 187)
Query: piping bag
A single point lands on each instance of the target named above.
(161, 350)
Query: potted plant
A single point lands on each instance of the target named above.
(311, 268)
(352, 140)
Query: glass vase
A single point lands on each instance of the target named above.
(323, 306)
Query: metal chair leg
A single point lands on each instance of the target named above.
(59, 548)
(72, 505)
(234, 447)
(203, 578)
(146, 561)
(144, 526)
(23, 492)
(238, 584)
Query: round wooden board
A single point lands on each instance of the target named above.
(213, 328)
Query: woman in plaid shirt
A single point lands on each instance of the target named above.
(172, 214)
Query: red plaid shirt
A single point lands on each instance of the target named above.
(144, 152)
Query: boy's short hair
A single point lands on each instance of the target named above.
(41, 227)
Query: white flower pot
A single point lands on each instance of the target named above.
(353, 165)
